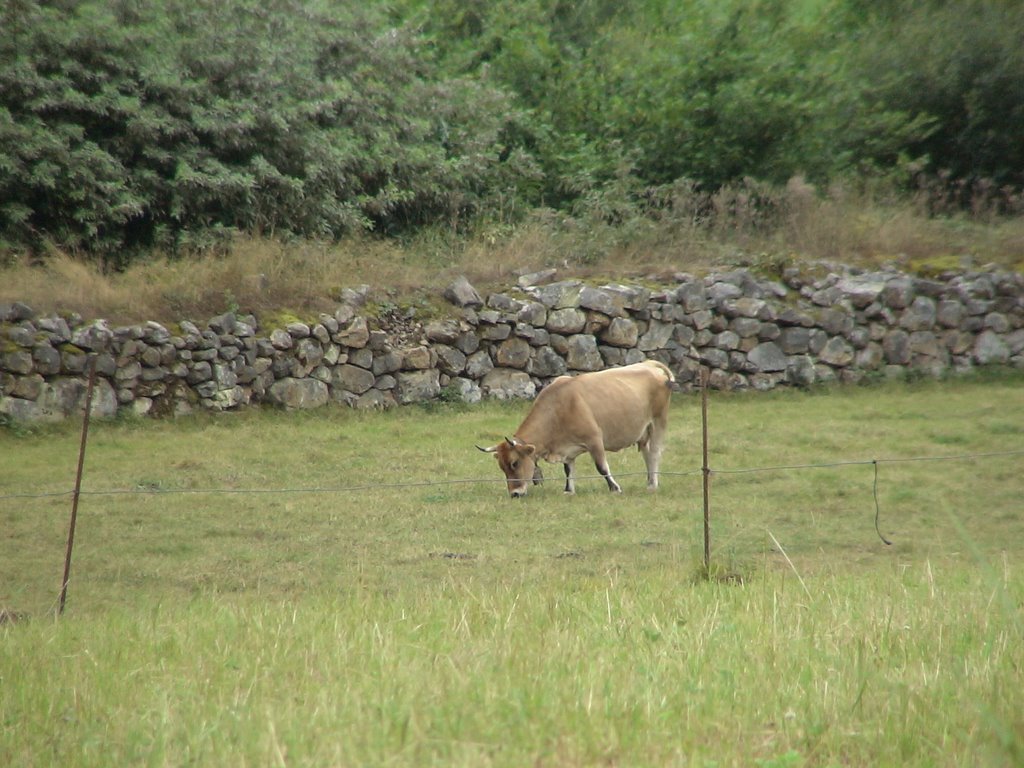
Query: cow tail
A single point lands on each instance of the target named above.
(670, 380)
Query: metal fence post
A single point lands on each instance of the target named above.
(78, 485)
(705, 377)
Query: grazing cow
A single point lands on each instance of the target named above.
(591, 413)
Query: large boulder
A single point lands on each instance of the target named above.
(582, 353)
(462, 294)
(920, 315)
(800, 371)
(566, 321)
(898, 293)
(95, 337)
(59, 399)
(559, 295)
(897, 347)
(298, 394)
(656, 337)
(356, 336)
(351, 378)
(692, 296)
(862, 290)
(990, 348)
(621, 332)
(508, 384)
(417, 386)
(603, 301)
(767, 357)
(546, 363)
(478, 365)
(513, 353)
(467, 390)
(837, 352)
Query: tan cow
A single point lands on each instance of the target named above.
(591, 413)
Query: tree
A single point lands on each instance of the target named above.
(961, 66)
(144, 123)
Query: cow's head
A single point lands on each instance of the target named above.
(518, 461)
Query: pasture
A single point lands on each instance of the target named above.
(341, 588)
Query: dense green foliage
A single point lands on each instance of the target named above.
(139, 123)
(718, 91)
(149, 123)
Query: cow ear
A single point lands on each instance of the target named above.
(527, 449)
(492, 449)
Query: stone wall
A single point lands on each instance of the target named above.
(813, 325)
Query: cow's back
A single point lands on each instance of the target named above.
(619, 402)
(624, 401)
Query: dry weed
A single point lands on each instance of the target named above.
(691, 234)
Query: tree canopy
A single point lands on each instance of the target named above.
(132, 124)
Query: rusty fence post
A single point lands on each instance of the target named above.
(78, 484)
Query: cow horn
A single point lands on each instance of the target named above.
(486, 450)
(511, 441)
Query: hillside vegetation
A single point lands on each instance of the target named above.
(137, 127)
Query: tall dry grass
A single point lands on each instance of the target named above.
(686, 231)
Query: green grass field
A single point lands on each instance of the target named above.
(339, 588)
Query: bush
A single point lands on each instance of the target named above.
(138, 124)
(163, 124)
(960, 64)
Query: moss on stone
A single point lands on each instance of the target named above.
(935, 266)
(281, 319)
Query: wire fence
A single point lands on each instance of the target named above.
(364, 487)
(706, 471)
(151, 491)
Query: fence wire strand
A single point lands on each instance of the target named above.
(472, 481)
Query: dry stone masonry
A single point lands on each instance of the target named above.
(813, 325)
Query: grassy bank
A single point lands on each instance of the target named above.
(344, 588)
(766, 228)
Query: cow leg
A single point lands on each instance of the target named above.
(538, 475)
(650, 448)
(570, 475)
(602, 466)
(652, 459)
